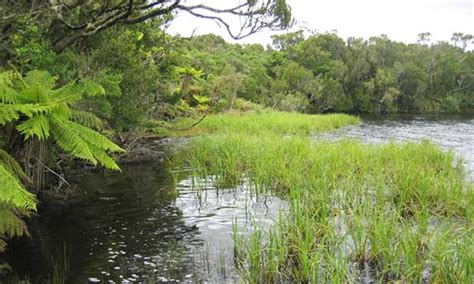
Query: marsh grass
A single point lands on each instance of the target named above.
(403, 210)
(258, 122)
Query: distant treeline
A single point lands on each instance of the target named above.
(324, 73)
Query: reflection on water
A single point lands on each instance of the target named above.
(135, 228)
(450, 133)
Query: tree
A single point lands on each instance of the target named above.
(285, 41)
(424, 38)
(68, 22)
(461, 40)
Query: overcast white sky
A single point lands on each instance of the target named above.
(401, 20)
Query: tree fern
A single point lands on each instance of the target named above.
(87, 119)
(50, 112)
(13, 193)
(12, 166)
(37, 126)
(15, 200)
(11, 225)
(39, 111)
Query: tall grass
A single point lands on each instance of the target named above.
(402, 210)
(256, 122)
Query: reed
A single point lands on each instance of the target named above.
(352, 206)
(257, 122)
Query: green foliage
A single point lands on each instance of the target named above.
(36, 109)
(15, 200)
(39, 111)
(270, 122)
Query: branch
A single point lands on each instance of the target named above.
(155, 13)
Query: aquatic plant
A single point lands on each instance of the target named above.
(353, 207)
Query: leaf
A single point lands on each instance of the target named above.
(13, 193)
(201, 99)
(71, 142)
(12, 165)
(7, 94)
(92, 88)
(10, 224)
(37, 126)
(87, 119)
(104, 159)
(40, 79)
(85, 143)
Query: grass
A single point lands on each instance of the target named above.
(256, 122)
(404, 210)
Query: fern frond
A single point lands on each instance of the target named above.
(104, 159)
(12, 166)
(70, 141)
(37, 126)
(8, 114)
(95, 138)
(87, 119)
(7, 94)
(13, 193)
(92, 88)
(40, 78)
(33, 94)
(12, 112)
(10, 223)
(85, 143)
(71, 88)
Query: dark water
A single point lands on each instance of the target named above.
(133, 228)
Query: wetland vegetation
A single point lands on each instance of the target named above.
(400, 211)
(169, 120)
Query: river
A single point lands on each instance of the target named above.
(132, 226)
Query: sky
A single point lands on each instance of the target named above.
(400, 20)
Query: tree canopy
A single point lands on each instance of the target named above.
(66, 22)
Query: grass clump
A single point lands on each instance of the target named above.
(260, 122)
(401, 211)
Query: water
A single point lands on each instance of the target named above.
(133, 226)
(450, 133)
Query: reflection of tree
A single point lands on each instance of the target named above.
(132, 209)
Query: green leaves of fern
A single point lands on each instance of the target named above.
(44, 112)
(85, 143)
(15, 200)
(13, 193)
(40, 111)
(37, 110)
